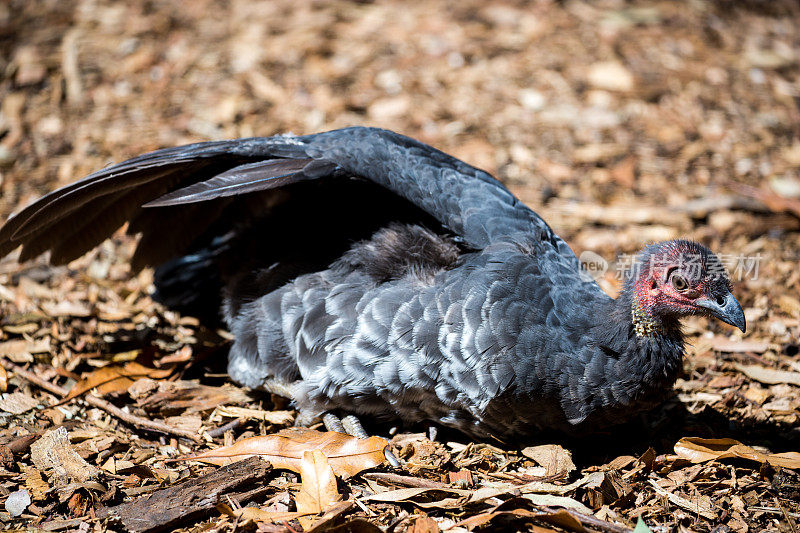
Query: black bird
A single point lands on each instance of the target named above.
(364, 272)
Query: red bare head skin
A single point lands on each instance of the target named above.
(678, 278)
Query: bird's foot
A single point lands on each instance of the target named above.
(352, 426)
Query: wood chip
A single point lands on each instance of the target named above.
(769, 376)
(17, 403)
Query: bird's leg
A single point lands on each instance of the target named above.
(333, 423)
(352, 426)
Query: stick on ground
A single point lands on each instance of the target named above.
(108, 407)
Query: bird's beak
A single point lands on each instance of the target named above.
(729, 311)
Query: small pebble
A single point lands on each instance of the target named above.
(17, 502)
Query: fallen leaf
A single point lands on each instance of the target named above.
(534, 487)
(768, 375)
(115, 378)
(423, 524)
(346, 454)
(555, 459)
(699, 450)
(318, 491)
(3, 379)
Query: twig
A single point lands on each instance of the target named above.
(406, 481)
(786, 515)
(108, 407)
(772, 510)
(220, 431)
(69, 66)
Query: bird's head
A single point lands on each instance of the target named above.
(673, 279)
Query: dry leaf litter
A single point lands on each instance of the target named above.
(620, 123)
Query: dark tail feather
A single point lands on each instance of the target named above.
(192, 284)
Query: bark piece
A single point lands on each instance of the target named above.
(54, 454)
(166, 509)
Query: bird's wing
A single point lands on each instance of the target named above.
(473, 205)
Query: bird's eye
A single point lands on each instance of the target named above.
(679, 282)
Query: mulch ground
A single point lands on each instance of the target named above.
(621, 123)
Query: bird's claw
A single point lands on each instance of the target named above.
(391, 458)
(352, 426)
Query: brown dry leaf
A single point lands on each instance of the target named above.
(318, 492)
(3, 379)
(346, 454)
(699, 450)
(554, 458)
(115, 378)
(768, 375)
(423, 524)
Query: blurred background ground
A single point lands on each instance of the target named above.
(621, 123)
